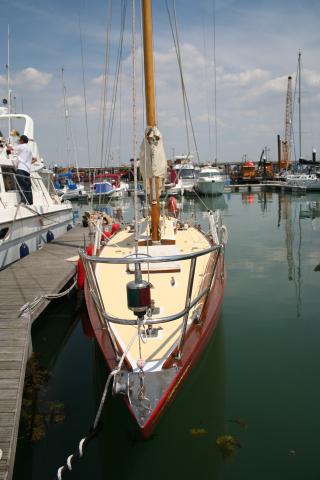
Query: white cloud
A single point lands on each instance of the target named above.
(31, 78)
(75, 102)
(243, 78)
(311, 78)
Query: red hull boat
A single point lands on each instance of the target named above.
(154, 289)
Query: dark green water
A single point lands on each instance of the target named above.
(257, 381)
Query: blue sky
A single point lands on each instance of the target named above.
(257, 44)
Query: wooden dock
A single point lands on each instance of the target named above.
(41, 273)
(256, 187)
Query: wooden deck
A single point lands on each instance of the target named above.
(43, 272)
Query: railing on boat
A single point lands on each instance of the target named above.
(105, 318)
(11, 184)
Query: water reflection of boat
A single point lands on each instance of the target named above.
(50, 334)
(264, 199)
(293, 259)
(311, 210)
(196, 419)
(217, 202)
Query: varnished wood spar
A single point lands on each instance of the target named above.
(150, 108)
(43, 272)
(148, 63)
(155, 209)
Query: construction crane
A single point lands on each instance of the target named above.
(286, 143)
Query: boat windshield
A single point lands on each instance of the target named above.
(210, 174)
(186, 173)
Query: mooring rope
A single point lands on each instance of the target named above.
(97, 425)
(49, 296)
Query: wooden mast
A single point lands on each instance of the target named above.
(150, 108)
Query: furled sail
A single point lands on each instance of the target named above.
(153, 161)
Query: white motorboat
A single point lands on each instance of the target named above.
(183, 177)
(25, 228)
(304, 180)
(110, 187)
(210, 181)
(73, 191)
(66, 188)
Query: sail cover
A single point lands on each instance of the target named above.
(153, 161)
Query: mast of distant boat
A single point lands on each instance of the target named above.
(299, 101)
(8, 84)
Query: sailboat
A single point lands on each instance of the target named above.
(155, 289)
(309, 178)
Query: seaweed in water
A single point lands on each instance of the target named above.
(227, 445)
(38, 414)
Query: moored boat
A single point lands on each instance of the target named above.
(111, 186)
(309, 181)
(154, 290)
(183, 176)
(210, 181)
(25, 228)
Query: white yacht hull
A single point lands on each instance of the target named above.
(74, 194)
(309, 182)
(26, 230)
(210, 187)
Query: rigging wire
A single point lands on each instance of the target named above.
(68, 127)
(105, 85)
(294, 100)
(84, 92)
(206, 76)
(120, 117)
(116, 82)
(65, 115)
(181, 78)
(134, 125)
(215, 83)
(174, 32)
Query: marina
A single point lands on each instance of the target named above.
(159, 265)
(277, 260)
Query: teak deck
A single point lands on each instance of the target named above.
(43, 272)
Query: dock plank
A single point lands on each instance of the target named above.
(46, 271)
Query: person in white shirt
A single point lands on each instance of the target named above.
(25, 159)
